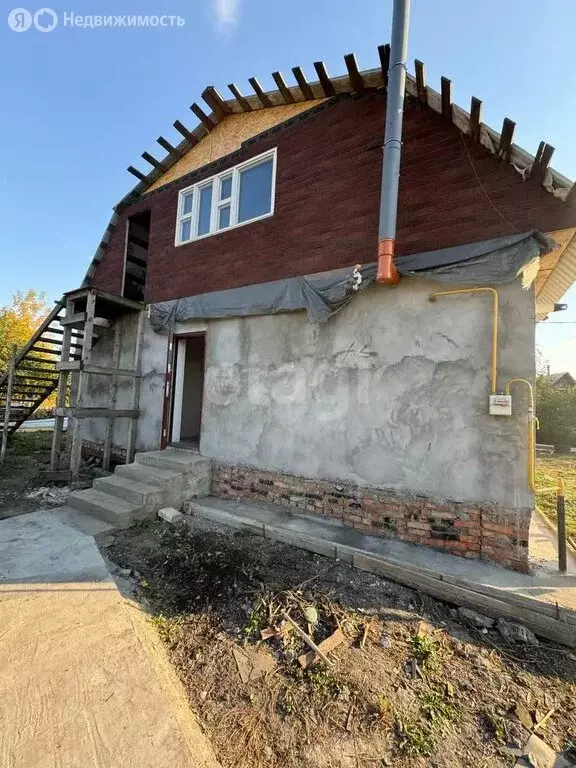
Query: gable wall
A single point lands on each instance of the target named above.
(327, 201)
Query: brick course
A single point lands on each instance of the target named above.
(327, 202)
(465, 529)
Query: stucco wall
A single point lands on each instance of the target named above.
(392, 392)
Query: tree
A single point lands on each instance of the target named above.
(19, 320)
(556, 411)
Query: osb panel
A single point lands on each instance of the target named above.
(548, 263)
(228, 136)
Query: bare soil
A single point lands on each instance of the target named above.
(27, 456)
(412, 685)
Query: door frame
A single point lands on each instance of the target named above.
(174, 385)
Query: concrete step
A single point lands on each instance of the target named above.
(145, 473)
(113, 509)
(151, 497)
(178, 460)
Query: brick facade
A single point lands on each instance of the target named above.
(327, 200)
(469, 530)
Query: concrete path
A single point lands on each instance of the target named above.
(84, 682)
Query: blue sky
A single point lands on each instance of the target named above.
(80, 105)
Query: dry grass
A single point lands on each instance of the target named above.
(548, 469)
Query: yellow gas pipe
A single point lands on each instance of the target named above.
(532, 426)
(494, 292)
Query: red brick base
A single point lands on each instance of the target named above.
(465, 529)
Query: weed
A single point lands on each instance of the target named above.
(497, 725)
(256, 622)
(416, 739)
(287, 702)
(436, 708)
(425, 650)
(163, 625)
(323, 682)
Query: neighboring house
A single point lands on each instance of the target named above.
(561, 380)
(379, 415)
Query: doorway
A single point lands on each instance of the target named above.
(136, 256)
(188, 390)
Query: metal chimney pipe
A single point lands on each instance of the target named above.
(387, 273)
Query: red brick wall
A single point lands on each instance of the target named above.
(327, 200)
(469, 530)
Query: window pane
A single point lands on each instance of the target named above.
(225, 187)
(255, 191)
(185, 230)
(224, 217)
(205, 210)
(187, 203)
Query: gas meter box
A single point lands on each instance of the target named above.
(500, 405)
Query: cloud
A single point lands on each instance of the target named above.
(226, 14)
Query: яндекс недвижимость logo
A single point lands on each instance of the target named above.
(21, 20)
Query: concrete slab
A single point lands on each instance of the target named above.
(542, 584)
(38, 547)
(84, 679)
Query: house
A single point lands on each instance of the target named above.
(266, 344)
(562, 380)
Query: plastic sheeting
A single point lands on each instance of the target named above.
(490, 262)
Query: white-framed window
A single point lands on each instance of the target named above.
(233, 198)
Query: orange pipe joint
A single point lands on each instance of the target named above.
(386, 273)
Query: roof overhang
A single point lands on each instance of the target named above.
(557, 272)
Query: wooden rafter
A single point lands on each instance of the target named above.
(152, 160)
(446, 93)
(303, 84)
(244, 103)
(475, 117)
(420, 80)
(506, 136)
(206, 121)
(325, 82)
(188, 135)
(259, 91)
(139, 175)
(282, 87)
(541, 161)
(356, 80)
(384, 55)
(216, 102)
(165, 144)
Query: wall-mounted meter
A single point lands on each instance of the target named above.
(500, 405)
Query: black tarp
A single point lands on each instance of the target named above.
(490, 262)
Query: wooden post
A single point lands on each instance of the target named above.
(9, 386)
(561, 527)
(133, 424)
(61, 393)
(112, 399)
(76, 451)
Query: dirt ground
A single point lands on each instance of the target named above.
(23, 483)
(27, 456)
(412, 684)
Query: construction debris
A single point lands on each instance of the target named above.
(252, 664)
(332, 642)
(516, 633)
(50, 494)
(308, 640)
(476, 619)
(170, 515)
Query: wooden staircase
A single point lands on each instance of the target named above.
(34, 375)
